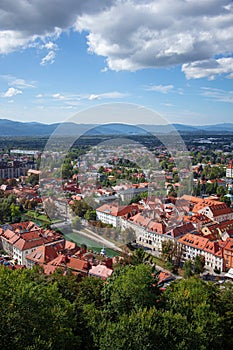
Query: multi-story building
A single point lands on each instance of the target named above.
(193, 245)
(20, 240)
(14, 168)
(228, 253)
(112, 213)
(229, 171)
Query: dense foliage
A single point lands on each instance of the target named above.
(127, 312)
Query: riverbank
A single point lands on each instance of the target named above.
(87, 232)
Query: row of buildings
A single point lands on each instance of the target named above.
(197, 226)
(28, 244)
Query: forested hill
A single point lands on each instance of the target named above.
(16, 128)
(129, 312)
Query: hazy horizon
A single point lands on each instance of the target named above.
(175, 58)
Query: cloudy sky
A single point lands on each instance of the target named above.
(60, 57)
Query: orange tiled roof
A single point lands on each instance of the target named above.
(196, 218)
(115, 210)
(43, 254)
(201, 243)
(71, 262)
(49, 269)
(229, 244)
(182, 229)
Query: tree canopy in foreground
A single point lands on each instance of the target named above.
(128, 312)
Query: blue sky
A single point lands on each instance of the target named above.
(60, 57)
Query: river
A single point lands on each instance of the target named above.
(90, 243)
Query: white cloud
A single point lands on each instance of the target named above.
(107, 95)
(131, 34)
(12, 92)
(23, 22)
(209, 68)
(72, 98)
(17, 82)
(49, 58)
(218, 94)
(58, 96)
(164, 89)
(22, 84)
(50, 46)
(93, 97)
(12, 40)
(141, 34)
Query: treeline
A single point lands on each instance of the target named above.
(128, 312)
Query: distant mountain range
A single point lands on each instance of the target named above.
(13, 128)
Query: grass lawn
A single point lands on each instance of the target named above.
(40, 217)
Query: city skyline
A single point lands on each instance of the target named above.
(175, 58)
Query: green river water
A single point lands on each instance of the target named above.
(90, 243)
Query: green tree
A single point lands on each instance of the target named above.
(199, 264)
(221, 191)
(188, 269)
(167, 250)
(197, 301)
(33, 314)
(90, 215)
(15, 213)
(131, 288)
(138, 257)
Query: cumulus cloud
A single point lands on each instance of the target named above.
(23, 22)
(12, 92)
(209, 68)
(12, 40)
(139, 34)
(131, 34)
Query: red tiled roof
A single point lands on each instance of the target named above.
(77, 264)
(49, 269)
(9, 236)
(70, 262)
(201, 243)
(182, 229)
(229, 244)
(164, 277)
(70, 245)
(21, 244)
(24, 227)
(43, 254)
(115, 210)
(196, 218)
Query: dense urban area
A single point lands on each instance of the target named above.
(118, 245)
